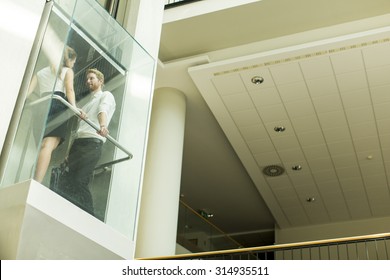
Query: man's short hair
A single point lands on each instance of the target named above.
(98, 74)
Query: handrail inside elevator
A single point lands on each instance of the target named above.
(93, 125)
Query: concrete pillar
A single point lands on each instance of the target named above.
(157, 226)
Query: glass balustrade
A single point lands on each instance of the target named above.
(101, 43)
(196, 233)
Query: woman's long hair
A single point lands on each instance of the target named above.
(69, 54)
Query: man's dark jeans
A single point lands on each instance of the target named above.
(83, 157)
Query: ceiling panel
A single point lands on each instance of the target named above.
(378, 76)
(356, 98)
(265, 97)
(286, 143)
(339, 148)
(312, 138)
(366, 144)
(307, 39)
(245, 117)
(303, 179)
(337, 134)
(353, 185)
(352, 81)
(327, 103)
(377, 55)
(364, 129)
(345, 62)
(293, 91)
(268, 158)
(382, 111)
(286, 73)
(344, 160)
(317, 68)
(228, 86)
(380, 94)
(373, 169)
(252, 132)
(360, 115)
(301, 108)
(330, 120)
(259, 146)
(334, 106)
(238, 102)
(292, 155)
(322, 86)
(278, 182)
(347, 172)
(305, 124)
(319, 164)
(315, 151)
(273, 113)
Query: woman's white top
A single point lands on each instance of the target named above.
(49, 81)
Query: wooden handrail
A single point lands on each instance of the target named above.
(275, 247)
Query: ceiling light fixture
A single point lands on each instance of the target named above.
(296, 167)
(273, 170)
(205, 214)
(257, 80)
(279, 128)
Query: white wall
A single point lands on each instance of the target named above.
(143, 20)
(19, 20)
(369, 250)
(334, 230)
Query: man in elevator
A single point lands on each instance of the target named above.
(86, 149)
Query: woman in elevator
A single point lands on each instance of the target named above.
(56, 127)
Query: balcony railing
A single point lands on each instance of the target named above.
(366, 247)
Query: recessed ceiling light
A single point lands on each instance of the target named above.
(279, 128)
(205, 213)
(257, 80)
(296, 167)
(310, 199)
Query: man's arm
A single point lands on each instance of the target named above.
(106, 109)
(102, 117)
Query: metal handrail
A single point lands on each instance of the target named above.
(275, 248)
(96, 127)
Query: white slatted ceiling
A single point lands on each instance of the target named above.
(336, 110)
